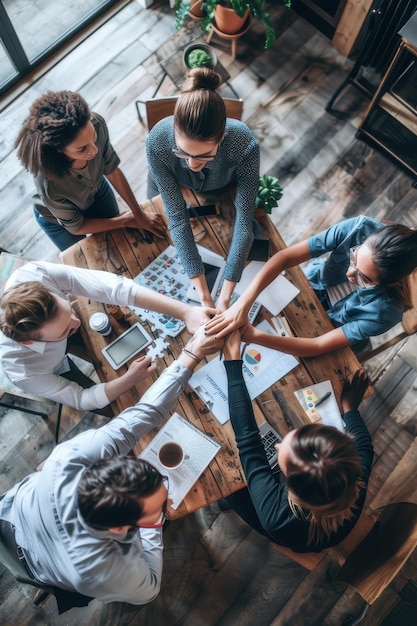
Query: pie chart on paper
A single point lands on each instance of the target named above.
(253, 358)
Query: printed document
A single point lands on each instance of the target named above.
(199, 449)
(262, 367)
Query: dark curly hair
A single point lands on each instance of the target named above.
(109, 491)
(53, 122)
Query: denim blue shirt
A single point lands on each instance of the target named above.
(237, 162)
(366, 311)
(59, 547)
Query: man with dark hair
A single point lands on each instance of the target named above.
(36, 321)
(91, 520)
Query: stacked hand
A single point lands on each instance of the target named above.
(227, 321)
(201, 344)
(231, 348)
(196, 316)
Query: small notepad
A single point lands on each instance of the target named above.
(327, 412)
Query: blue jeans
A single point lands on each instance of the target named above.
(104, 206)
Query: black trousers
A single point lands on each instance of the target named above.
(77, 376)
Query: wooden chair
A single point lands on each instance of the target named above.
(408, 324)
(8, 264)
(158, 108)
(378, 559)
(309, 560)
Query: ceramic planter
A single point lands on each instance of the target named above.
(200, 46)
(228, 21)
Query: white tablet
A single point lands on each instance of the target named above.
(129, 343)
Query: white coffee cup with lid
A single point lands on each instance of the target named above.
(100, 322)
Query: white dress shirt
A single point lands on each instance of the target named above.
(36, 367)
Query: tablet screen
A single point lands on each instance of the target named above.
(127, 345)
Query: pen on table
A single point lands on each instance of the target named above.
(323, 398)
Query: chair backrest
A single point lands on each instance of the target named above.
(409, 320)
(377, 560)
(158, 108)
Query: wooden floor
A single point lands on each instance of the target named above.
(216, 570)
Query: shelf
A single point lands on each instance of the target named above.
(405, 87)
(391, 119)
(399, 111)
(397, 140)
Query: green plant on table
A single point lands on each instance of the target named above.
(257, 8)
(269, 193)
(199, 58)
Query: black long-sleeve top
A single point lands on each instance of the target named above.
(269, 497)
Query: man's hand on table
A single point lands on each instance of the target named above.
(140, 369)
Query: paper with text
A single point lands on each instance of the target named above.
(262, 367)
(199, 448)
(276, 296)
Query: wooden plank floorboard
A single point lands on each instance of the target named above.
(218, 571)
(271, 586)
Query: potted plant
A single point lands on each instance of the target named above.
(199, 55)
(188, 8)
(242, 8)
(269, 193)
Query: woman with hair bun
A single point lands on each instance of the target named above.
(199, 148)
(67, 150)
(316, 497)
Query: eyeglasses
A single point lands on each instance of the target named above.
(163, 517)
(184, 155)
(360, 278)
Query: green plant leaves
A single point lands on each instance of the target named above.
(257, 8)
(269, 193)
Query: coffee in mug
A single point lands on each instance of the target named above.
(171, 455)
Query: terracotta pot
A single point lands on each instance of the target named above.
(196, 9)
(228, 21)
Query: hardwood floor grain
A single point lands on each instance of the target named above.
(216, 570)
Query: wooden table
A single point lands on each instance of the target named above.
(124, 252)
